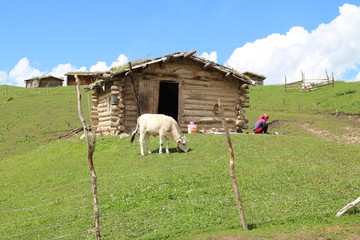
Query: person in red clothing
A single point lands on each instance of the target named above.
(261, 126)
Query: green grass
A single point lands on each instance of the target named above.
(344, 98)
(29, 117)
(291, 185)
(176, 195)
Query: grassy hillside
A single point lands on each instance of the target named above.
(291, 184)
(29, 117)
(342, 98)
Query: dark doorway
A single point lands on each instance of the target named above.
(169, 99)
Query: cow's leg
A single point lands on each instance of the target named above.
(167, 145)
(142, 140)
(161, 144)
(147, 144)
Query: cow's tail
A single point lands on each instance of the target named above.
(133, 134)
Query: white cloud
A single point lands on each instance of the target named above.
(357, 77)
(21, 72)
(211, 57)
(99, 67)
(3, 76)
(121, 60)
(61, 69)
(334, 47)
(102, 67)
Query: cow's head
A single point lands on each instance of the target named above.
(182, 143)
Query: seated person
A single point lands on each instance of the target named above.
(261, 126)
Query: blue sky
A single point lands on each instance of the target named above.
(269, 37)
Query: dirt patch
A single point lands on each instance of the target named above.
(277, 123)
(344, 116)
(350, 135)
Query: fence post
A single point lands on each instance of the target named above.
(91, 141)
(316, 107)
(232, 170)
(303, 80)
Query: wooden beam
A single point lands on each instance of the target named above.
(228, 74)
(168, 57)
(208, 65)
(136, 97)
(188, 54)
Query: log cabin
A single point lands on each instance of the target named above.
(43, 82)
(180, 85)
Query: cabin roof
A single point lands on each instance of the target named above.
(190, 55)
(141, 64)
(255, 76)
(44, 78)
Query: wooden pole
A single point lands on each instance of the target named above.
(134, 91)
(347, 207)
(232, 170)
(91, 141)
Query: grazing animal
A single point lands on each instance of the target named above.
(159, 125)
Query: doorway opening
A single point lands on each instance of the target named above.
(169, 99)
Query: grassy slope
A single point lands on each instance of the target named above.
(343, 97)
(31, 116)
(291, 183)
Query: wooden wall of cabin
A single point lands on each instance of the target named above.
(114, 107)
(32, 83)
(130, 113)
(200, 98)
(103, 112)
(84, 79)
(50, 83)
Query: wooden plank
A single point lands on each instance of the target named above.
(208, 120)
(214, 92)
(209, 112)
(102, 105)
(104, 114)
(207, 102)
(208, 97)
(149, 96)
(292, 83)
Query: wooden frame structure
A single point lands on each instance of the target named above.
(180, 85)
(306, 85)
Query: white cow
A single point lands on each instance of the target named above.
(162, 126)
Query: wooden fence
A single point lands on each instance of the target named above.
(306, 85)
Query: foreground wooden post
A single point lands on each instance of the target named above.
(232, 170)
(91, 148)
(347, 207)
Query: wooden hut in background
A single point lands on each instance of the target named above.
(257, 78)
(43, 82)
(85, 78)
(180, 85)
